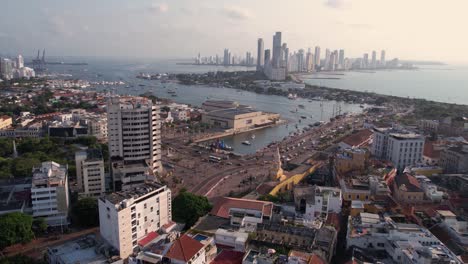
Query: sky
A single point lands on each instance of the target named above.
(407, 29)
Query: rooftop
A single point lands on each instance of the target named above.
(49, 174)
(359, 138)
(408, 183)
(184, 248)
(135, 193)
(223, 205)
(232, 112)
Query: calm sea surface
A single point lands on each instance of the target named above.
(447, 84)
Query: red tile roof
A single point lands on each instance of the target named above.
(316, 259)
(359, 138)
(228, 257)
(148, 238)
(410, 182)
(333, 219)
(184, 248)
(223, 205)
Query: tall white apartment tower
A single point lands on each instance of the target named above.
(126, 217)
(317, 56)
(276, 57)
(134, 133)
(382, 58)
(260, 54)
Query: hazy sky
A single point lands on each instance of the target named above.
(408, 29)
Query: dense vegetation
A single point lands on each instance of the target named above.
(32, 151)
(15, 228)
(20, 259)
(188, 207)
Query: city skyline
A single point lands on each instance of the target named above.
(160, 29)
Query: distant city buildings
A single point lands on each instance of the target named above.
(10, 69)
(260, 54)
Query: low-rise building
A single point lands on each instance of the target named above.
(128, 216)
(430, 189)
(407, 189)
(350, 160)
(90, 175)
(83, 250)
(239, 118)
(5, 122)
(243, 212)
(316, 201)
(454, 226)
(357, 140)
(49, 193)
(403, 243)
(187, 250)
(455, 159)
(15, 195)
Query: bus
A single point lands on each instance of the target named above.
(215, 159)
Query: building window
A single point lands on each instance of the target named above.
(144, 206)
(151, 209)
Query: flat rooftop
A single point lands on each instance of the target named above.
(232, 112)
(135, 193)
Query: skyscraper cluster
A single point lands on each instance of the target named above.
(373, 63)
(14, 68)
(273, 64)
(228, 59)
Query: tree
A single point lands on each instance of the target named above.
(20, 259)
(188, 207)
(86, 212)
(22, 167)
(40, 225)
(15, 228)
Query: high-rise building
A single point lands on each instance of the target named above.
(382, 58)
(300, 61)
(276, 58)
(341, 59)
(309, 61)
(134, 132)
(285, 57)
(127, 217)
(6, 69)
(49, 193)
(317, 56)
(327, 59)
(267, 58)
(374, 59)
(260, 54)
(90, 175)
(19, 62)
(365, 60)
(331, 64)
(227, 59)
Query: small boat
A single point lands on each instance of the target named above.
(253, 136)
(141, 85)
(301, 106)
(174, 95)
(362, 106)
(247, 143)
(303, 117)
(171, 92)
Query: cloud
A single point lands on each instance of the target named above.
(335, 3)
(237, 13)
(159, 8)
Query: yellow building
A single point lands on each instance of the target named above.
(351, 160)
(5, 121)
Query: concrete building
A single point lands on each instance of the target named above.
(260, 54)
(243, 212)
(134, 132)
(454, 226)
(5, 122)
(430, 189)
(351, 160)
(317, 56)
(239, 118)
(6, 69)
(407, 189)
(82, 250)
(97, 127)
(383, 63)
(400, 147)
(276, 56)
(49, 193)
(454, 159)
(403, 243)
(90, 175)
(15, 195)
(316, 202)
(212, 105)
(126, 217)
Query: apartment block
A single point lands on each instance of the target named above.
(134, 133)
(127, 217)
(90, 173)
(402, 148)
(49, 193)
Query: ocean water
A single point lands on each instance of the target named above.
(299, 113)
(447, 83)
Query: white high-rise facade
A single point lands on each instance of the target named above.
(317, 56)
(374, 59)
(382, 58)
(276, 57)
(127, 217)
(134, 133)
(19, 62)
